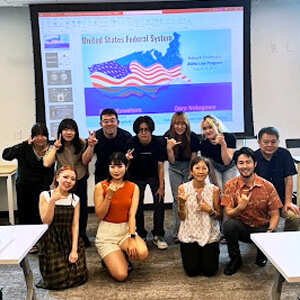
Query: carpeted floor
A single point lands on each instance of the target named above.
(160, 277)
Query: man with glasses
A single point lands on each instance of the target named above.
(106, 141)
(277, 166)
(147, 154)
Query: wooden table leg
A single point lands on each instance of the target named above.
(277, 286)
(29, 279)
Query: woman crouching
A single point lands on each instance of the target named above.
(116, 202)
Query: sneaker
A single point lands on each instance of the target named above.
(34, 250)
(160, 242)
(233, 265)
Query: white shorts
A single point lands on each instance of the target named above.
(110, 237)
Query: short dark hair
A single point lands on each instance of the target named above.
(268, 130)
(197, 159)
(246, 151)
(39, 129)
(143, 119)
(117, 158)
(108, 111)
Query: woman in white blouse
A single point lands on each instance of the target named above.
(199, 213)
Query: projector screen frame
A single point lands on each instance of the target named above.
(123, 6)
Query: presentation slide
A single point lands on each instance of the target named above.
(148, 62)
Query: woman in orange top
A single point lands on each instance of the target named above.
(116, 202)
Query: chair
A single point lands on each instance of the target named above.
(295, 143)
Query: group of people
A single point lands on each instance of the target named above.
(251, 186)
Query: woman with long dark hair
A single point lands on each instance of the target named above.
(69, 149)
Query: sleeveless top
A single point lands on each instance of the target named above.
(72, 199)
(120, 204)
(198, 226)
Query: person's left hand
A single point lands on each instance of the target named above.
(294, 208)
(220, 139)
(203, 206)
(92, 141)
(132, 249)
(73, 257)
(161, 193)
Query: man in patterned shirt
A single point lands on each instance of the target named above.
(251, 205)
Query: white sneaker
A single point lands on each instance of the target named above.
(160, 242)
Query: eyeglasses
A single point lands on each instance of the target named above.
(273, 142)
(111, 121)
(144, 130)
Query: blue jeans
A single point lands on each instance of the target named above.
(222, 178)
(178, 174)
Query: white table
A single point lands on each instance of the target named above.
(282, 249)
(24, 237)
(8, 172)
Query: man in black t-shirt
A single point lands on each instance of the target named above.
(277, 166)
(106, 141)
(147, 154)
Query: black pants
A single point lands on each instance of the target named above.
(81, 192)
(235, 231)
(28, 203)
(200, 260)
(159, 210)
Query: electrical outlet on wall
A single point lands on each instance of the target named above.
(18, 134)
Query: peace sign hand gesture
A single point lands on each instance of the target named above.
(129, 155)
(57, 143)
(171, 143)
(92, 141)
(30, 140)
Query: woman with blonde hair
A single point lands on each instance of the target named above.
(182, 147)
(62, 254)
(219, 147)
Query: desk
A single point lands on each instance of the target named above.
(24, 237)
(282, 249)
(8, 172)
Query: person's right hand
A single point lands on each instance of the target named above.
(56, 195)
(129, 155)
(57, 144)
(171, 143)
(30, 140)
(182, 197)
(111, 189)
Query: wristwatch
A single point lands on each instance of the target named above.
(132, 236)
(271, 229)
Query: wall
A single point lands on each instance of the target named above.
(275, 54)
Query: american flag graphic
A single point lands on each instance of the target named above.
(118, 80)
